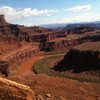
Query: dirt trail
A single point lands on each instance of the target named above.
(25, 69)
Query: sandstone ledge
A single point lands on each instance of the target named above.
(10, 90)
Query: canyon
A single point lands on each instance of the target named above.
(21, 47)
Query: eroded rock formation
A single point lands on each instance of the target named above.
(6, 28)
(18, 43)
(80, 30)
(85, 57)
(46, 38)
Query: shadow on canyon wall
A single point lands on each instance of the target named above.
(79, 61)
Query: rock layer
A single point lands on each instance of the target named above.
(84, 57)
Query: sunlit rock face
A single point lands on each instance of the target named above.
(3, 21)
(7, 28)
(10, 90)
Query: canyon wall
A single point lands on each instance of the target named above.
(16, 57)
(85, 57)
(67, 43)
(80, 30)
(19, 43)
(15, 46)
(8, 44)
(46, 38)
(13, 52)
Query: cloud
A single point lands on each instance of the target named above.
(12, 13)
(16, 15)
(75, 19)
(81, 8)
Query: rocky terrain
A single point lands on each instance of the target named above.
(70, 41)
(20, 48)
(82, 58)
(10, 90)
(14, 48)
(54, 88)
(80, 30)
(45, 88)
(48, 39)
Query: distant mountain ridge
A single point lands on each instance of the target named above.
(95, 24)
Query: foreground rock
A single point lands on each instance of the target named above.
(10, 90)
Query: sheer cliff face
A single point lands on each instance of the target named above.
(85, 57)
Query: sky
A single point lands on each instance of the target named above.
(36, 12)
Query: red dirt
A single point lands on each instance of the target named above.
(72, 90)
(25, 69)
(43, 84)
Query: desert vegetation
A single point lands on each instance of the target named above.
(45, 68)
